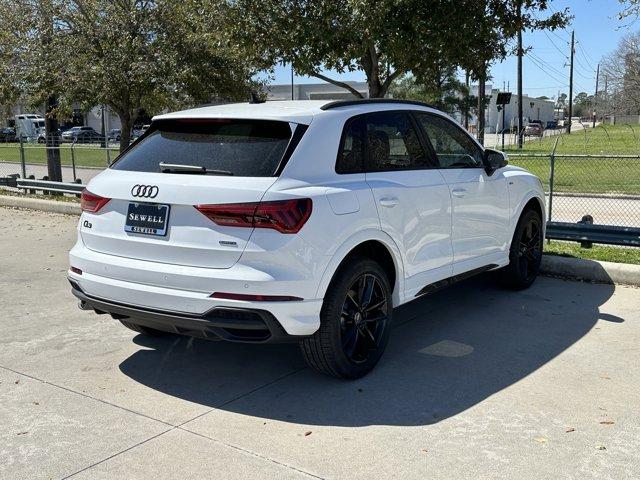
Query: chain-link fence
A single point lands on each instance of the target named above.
(79, 161)
(606, 187)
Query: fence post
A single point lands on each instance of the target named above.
(73, 162)
(108, 157)
(23, 165)
(552, 171)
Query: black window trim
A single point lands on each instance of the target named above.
(456, 126)
(422, 139)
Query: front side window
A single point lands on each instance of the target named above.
(393, 143)
(247, 148)
(453, 147)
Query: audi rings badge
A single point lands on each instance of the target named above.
(145, 191)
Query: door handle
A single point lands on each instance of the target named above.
(458, 192)
(388, 201)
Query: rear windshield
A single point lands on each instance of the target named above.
(247, 148)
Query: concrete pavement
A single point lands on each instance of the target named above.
(477, 382)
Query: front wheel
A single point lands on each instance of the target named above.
(354, 322)
(525, 254)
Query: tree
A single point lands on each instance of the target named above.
(621, 69)
(583, 105)
(495, 24)
(631, 9)
(151, 55)
(444, 91)
(31, 63)
(130, 55)
(382, 38)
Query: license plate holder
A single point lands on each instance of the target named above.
(147, 219)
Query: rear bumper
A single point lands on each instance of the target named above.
(185, 292)
(235, 324)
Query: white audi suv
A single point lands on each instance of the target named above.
(305, 221)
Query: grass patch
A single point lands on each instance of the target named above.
(586, 175)
(597, 252)
(602, 140)
(65, 197)
(85, 155)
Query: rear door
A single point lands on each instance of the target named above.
(480, 202)
(152, 215)
(411, 195)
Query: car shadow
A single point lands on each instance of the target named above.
(448, 352)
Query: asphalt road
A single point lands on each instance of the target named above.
(477, 383)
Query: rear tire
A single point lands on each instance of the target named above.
(525, 254)
(152, 332)
(355, 322)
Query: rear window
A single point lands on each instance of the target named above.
(246, 148)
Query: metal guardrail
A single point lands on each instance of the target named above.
(586, 234)
(14, 181)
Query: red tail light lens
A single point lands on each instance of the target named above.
(254, 298)
(90, 202)
(285, 216)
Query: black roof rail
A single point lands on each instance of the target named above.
(365, 101)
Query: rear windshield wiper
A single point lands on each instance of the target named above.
(192, 169)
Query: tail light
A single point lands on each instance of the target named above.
(285, 216)
(90, 202)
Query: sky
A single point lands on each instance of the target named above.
(545, 68)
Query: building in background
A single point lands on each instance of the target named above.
(315, 91)
(532, 109)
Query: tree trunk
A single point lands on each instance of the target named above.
(481, 97)
(52, 138)
(126, 122)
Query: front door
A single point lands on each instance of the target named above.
(480, 202)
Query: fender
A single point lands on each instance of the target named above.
(517, 212)
(353, 241)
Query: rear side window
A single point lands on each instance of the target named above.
(393, 143)
(351, 155)
(247, 148)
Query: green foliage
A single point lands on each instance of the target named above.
(597, 252)
(383, 38)
(445, 92)
(131, 55)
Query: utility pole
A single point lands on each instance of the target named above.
(571, 82)
(595, 96)
(481, 97)
(291, 80)
(520, 132)
(467, 82)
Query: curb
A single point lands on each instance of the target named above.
(591, 270)
(52, 206)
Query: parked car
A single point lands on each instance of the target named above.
(81, 135)
(114, 135)
(301, 221)
(42, 135)
(552, 124)
(8, 134)
(534, 130)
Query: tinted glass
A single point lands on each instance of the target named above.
(393, 143)
(351, 155)
(247, 148)
(453, 147)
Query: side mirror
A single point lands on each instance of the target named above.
(494, 160)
